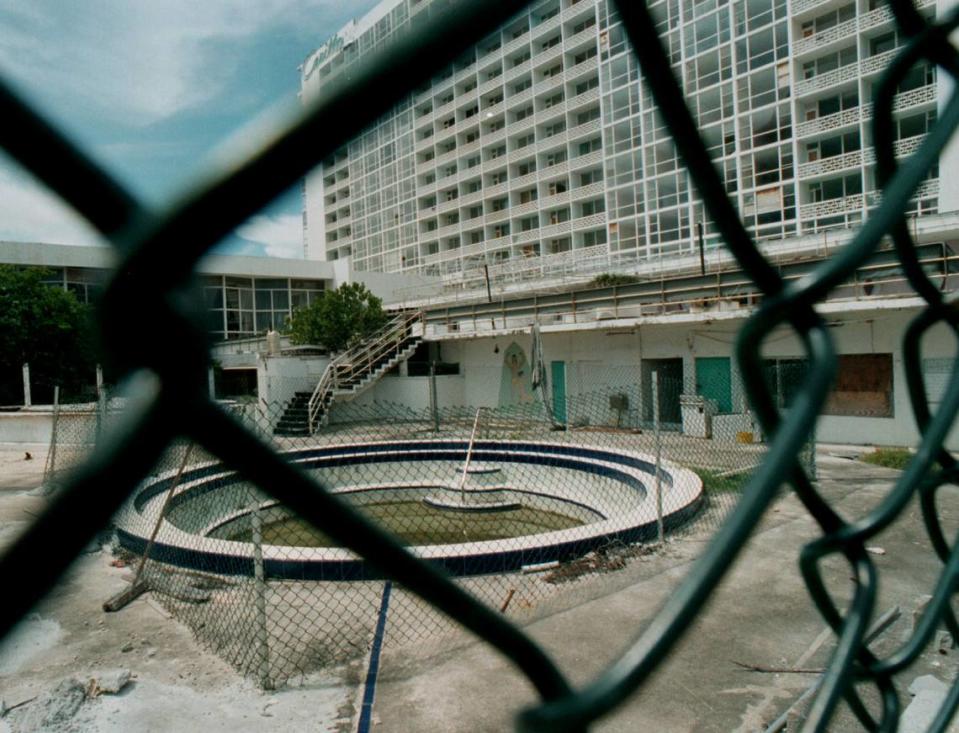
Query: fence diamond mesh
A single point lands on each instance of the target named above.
(524, 493)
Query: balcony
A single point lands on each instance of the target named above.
(588, 191)
(583, 67)
(557, 199)
(829, 122)
(552, 230)
(587, 160)
(517, 71)
(490, 85)
(524, 180)
(830, 79)
(590, 221)
(590, 95)
(530, 235)
(875, 64)
(538, 31)
(495, 217)
(522, 209)
(549, 83)
(833, 207)
(829, 165)
(843, 32)
(515, 44)
(496, 189)
(588, 34)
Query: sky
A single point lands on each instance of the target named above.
(152, 89)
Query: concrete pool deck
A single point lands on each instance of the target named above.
(760, 616)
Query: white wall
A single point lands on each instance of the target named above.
(278, 378)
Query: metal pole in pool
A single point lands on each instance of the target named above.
(256, 536)
(659, 449)
(469, 456)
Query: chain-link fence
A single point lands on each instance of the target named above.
(536, 504)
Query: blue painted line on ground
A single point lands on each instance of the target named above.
(369, 689)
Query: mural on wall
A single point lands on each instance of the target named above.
(516, 386)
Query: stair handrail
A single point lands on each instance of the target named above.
(345, 365)
(362, 357)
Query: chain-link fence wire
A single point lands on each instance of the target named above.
(144, 310)
(274, 628)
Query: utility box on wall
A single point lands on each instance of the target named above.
(697, 414)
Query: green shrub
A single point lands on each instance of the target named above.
(888, 457)
(720, 482)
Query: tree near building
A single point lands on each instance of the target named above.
(338, 318)
(47, 328)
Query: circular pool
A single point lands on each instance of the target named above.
(517, 504)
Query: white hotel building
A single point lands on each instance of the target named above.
(542, 140)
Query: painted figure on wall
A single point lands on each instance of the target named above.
(515, 385)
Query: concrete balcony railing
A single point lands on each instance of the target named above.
(829, 122)
(490, 84)
(530, 235)
(516, 44)
(446, 231)
(832, 164)
(549, 83)
(553, 230)
(827, 80)
(588, 191)
(524, 180)
(845, 31)
(590, 221)
(590, 95)
(468, 199)
(540, 30)
(588, 34)
(583, 67)
(550, 54)
(557, 199)
(589, 159)
(833, 207)
(517, 100)
(494, 217)
(875, 64)
(496, 189)
(523, 209)
(852, 116)
(515, 72)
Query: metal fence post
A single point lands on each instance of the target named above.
(434, 408)
(659, 450)
(26, 386)
(256, 537)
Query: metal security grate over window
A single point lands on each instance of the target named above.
(150, 294)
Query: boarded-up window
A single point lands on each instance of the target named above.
(863, 386)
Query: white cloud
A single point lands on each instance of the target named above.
(31, 213)
(135, 62)
(280, 234)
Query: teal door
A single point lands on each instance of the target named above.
(558, 380)
(714, 381)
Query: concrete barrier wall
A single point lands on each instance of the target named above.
(26, 426)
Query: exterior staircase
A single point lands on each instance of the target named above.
(351, 373)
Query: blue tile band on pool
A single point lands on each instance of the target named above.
(610, 493)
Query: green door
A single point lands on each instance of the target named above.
(558, 380)
(714, 381)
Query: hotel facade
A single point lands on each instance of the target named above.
(543, 142)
